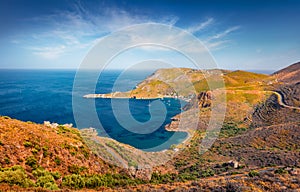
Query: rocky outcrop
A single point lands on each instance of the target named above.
(204, 99)
(191, 113)
(142, 173)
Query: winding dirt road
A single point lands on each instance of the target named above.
(280, 100)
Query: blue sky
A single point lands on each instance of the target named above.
(260, 35)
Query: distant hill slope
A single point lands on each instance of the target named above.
(290, 74)
(184, 82)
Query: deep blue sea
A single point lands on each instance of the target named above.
(46, 95)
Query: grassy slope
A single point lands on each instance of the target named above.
(53, 148)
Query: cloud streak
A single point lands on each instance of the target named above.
(224, 33)
(201, 26)
(49, 52)
(80, 29)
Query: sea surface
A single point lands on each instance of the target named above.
(46, 95)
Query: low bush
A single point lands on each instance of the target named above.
(34, 151)
(75, 169)
(41, 181)
(46, 181)
(31, 161)
(15, 176)
(45, 151)
(7, 160)
(40, 172)
(73, 181)
(94, 181)
(230, 129)
(281, 171)
(253, 173)
(56, 175)
(27, 144)
(57, 160)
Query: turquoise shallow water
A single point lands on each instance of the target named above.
(46, 95)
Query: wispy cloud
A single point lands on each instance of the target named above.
(200, 26)
(49, 52)
(219, 40)
(224, 33)
(218, 44)
(80, 29)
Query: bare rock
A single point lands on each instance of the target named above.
(233, 164)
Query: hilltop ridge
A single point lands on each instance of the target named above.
(185, 82)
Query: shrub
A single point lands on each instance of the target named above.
(57, 160)
(1, 143)
(13, 168)
(27, 144)
(75, 169)
(34, 151)
(41, 181)
(165, 178)
(56, 175)
(45, 151)
(15, 176)
(207, 173)
(253, 173)
(37, 147)
(94, 182)
(39, 172)
(281, 171)
(230, 129)
(46, 179)
(73, 181)
(7, 160)
(85, 153)
(51, 186)
(186, 176)
(46, 182)
(31, 161)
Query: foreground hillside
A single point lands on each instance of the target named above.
(266, 158)
(257, 149)
(51, 157)
(52, 147)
